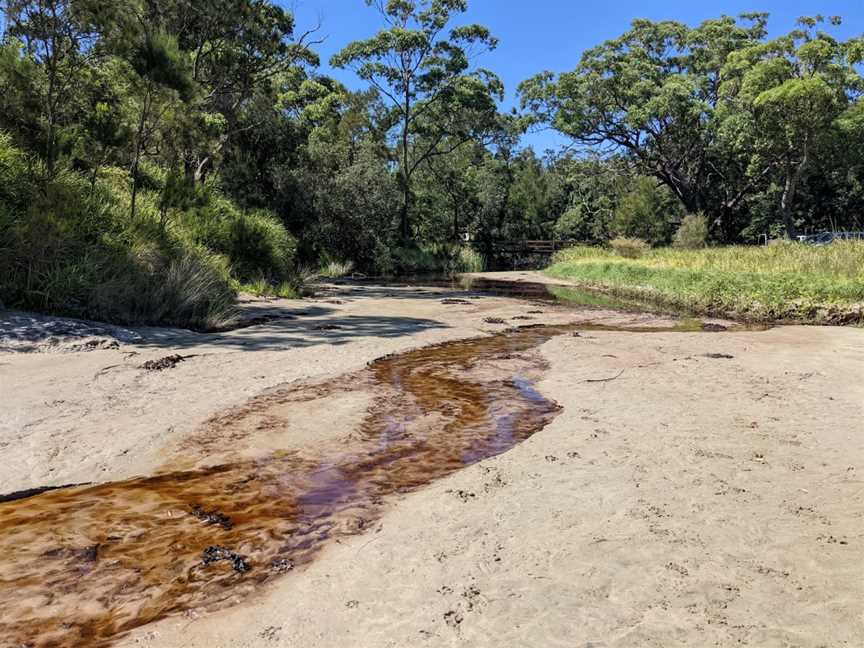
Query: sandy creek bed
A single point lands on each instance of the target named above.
(655, 488)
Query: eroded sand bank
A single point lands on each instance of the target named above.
(677, 499)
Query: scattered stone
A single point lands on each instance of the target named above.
(683, 571)
(215, 554)
(281, 566)
(453, 619)
(719, 356)
(523, 317)
(455, 302)
(270, 633)
(494, 320)
(213, 517)
(88, 554)
(97, 344)
(352, 605)
(464, 495)
(551, 458)
(168, 362)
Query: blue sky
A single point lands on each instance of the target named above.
(541, 35)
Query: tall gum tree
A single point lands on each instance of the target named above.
(424, 70)
(783, 101)
(651, 95)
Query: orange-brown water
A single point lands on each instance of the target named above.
(81, 566)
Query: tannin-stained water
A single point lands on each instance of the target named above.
(81, 566)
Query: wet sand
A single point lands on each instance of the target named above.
(676, 498)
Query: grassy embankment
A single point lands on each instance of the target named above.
(70, 245)
(785, 282)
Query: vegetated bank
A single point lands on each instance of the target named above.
(71, 245)
(780, 282)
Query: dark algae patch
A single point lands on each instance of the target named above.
(83, 565)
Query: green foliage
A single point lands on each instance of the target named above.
(169, 139)
(716, 112)
(423, 70)
(692, 234)
(337, 269)
(787, 281)
(70, 248)
(646, 212)
(629, 248)
(256, 243)
(439, 259)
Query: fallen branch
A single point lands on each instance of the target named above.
(605, 380)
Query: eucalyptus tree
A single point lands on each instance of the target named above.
(785, 100)
(651, 95)
(236, 49)
(56, 37)
(424, 69)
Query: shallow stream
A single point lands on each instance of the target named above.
(83, 565)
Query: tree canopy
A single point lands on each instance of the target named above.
(141, 136)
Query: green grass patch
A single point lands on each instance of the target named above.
(784, 282)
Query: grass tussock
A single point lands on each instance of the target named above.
(70, 247)
(788, 281)
(336, 269)
(437, 258)
(629, 248)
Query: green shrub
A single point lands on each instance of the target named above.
(178, 285)
(692, 233)
(470, 260)
(256, 243)
(646, 212)
(629, 248)
(437, 258)
(68, 249)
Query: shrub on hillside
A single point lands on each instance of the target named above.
(69, 248)
(629, 248)
(256, 243)
(692, 233)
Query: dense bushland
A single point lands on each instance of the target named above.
(159, 156)
(69, 246)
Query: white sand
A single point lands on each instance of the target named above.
(689, 502)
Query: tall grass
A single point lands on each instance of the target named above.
(787, 281)
(69, 248)
(437, 258)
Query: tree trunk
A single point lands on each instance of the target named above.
(456, 220)
(139, 146)
(793, 174)
(790, 188)
(406, 179)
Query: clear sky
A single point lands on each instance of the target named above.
(541, 35)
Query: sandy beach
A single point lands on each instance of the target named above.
(693, 489)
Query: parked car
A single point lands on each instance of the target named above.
(829, 237)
